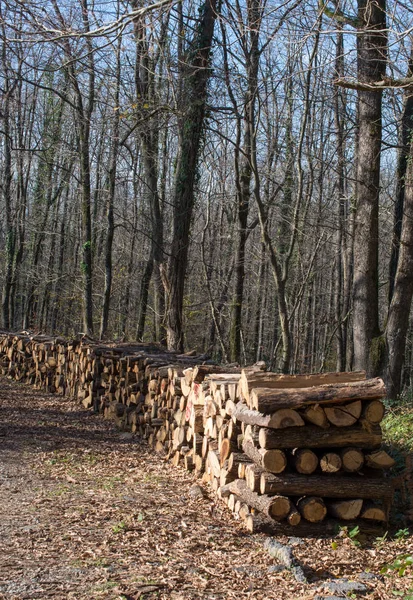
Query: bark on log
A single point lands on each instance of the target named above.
(249, 381)
(278, 420)
(314, 437)
(276, 507)
(325, 486)
(267, 400)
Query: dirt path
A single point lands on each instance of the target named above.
(88, 512)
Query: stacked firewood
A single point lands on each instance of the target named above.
(98, 375)
(309, 449)
(292, 451)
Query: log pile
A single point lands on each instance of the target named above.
(315, 441)
(299, 452)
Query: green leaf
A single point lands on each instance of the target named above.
(354, 532)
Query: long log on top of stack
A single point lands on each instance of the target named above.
(268, 400)
(274, 381)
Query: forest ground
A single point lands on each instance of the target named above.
(89, 512)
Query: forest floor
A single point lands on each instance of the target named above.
(89, 512)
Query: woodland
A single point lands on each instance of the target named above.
(230, 176)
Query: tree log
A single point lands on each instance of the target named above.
(267, 400)
(352, 459)
(234, 430)
(345, 509)
(325, 486)
(227, 446)
(379, 460)
(214, 464)
(345, 415)
(253, 477)
(316, 415)
(330, 462)
(226, 477)
(276, 507)
(273, 461)
(244, 511)
(176, 458)
(251, 433)
(231, 502)
(305, 461)
(260, 524)
(278, 420)
(249, 381)
(199, 464)
(294, 517)
(286, 417)
(312, 509)
(373, 412)
(314, 437)
(241, 470)
(371, 512)
(235, 459)
(189, 463)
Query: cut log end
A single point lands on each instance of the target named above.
(312, 509)
(330, 462)
(345, 509)
(280, 507)
(305, 461)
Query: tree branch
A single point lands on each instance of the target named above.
(338, 15)
(387, 83)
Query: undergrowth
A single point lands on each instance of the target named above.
(398, 425)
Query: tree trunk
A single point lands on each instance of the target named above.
(6, 193)
(339, 114)
(244, 171)
(197, 74)
(398, 318)
(110, 231)
(372, 56)
(402, 164)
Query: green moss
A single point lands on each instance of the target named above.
(377, 354)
